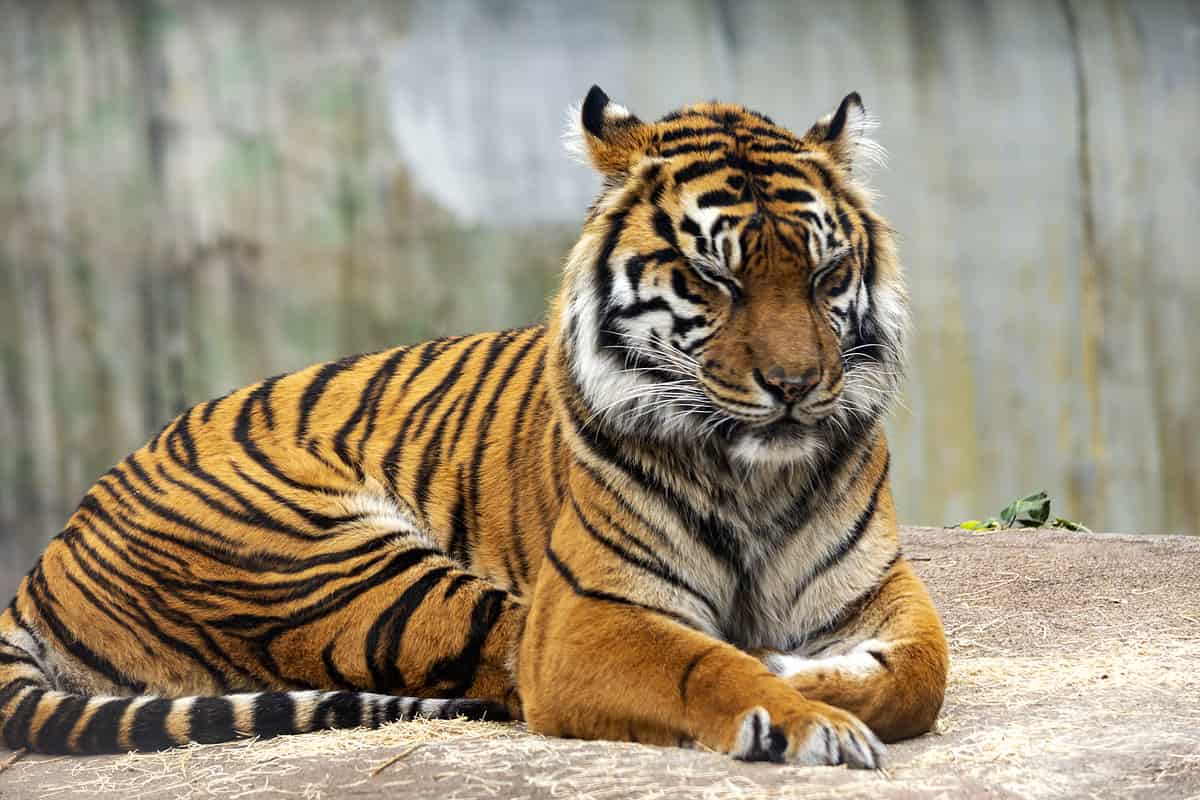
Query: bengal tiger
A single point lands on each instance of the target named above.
(663, 516)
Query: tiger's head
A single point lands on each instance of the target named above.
(732, 286)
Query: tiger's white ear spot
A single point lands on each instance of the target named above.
(615, 112)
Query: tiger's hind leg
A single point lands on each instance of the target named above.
(372, 605)
(887, 666)
(387, 629)
(432, 629)
(410, 620)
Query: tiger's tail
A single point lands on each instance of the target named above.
(37, 717)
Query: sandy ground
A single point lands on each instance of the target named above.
(1074, 675)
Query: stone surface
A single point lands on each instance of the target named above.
(1073, 675)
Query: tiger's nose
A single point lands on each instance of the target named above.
(789, 388)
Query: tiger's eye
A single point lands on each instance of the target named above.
(837, 280)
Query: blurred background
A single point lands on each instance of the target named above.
(194, 195)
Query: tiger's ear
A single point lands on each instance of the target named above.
(604, 134)
(844, 135)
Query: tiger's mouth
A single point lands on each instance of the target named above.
(786, 428)
(790, 422)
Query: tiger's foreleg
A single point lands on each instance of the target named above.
(887, 666)
(597, 664)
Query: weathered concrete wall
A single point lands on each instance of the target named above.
(198, 194)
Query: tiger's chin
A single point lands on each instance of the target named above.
(781, 443)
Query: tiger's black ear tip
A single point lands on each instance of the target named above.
(593, 111)
(852, 100)
(838, 123)
(596, 95)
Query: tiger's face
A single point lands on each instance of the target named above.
(732, 286)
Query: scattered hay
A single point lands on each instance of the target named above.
(14, 758)
(248, 767)
(402, 754)
(1056, 690)
(1059, 710)
(1054, 711)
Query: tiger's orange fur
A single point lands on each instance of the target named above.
(663, 516)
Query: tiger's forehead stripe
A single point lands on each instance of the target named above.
(732, 148)
(704, 212)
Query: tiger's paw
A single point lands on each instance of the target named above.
(822, 736)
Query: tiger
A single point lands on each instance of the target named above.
(662, 516)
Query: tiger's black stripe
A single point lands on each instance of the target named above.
(488, 417)
(849, 542)
(391, 462)
(609, 597)
(55, 732)
(654, 565)
(389, 628)
(316, 389)
(453, 674)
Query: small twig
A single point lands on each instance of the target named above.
(920, 558)
(403, 753)
(14, 758)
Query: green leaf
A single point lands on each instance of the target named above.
(1030, 511)
(989, 524)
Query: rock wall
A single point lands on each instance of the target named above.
(198, 194)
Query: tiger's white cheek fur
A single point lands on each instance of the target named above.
(869, 389)
(603, 386)
(891, 313)
(656, 325)
(607, 388)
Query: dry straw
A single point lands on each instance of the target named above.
(1067, 723)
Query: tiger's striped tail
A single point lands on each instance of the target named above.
(38, 718)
